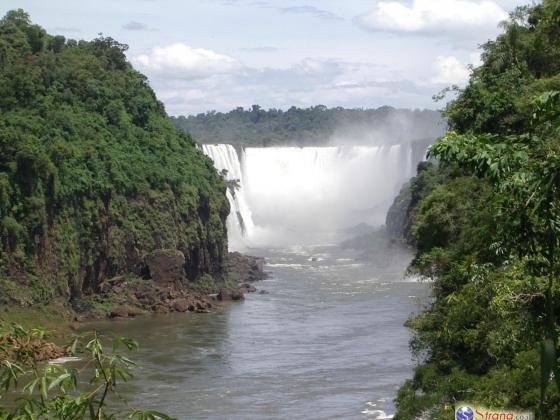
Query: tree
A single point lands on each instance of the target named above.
(525, 171)
(496, 296)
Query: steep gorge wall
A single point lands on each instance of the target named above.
(95, 241)
(93, 174)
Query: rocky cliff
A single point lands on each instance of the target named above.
(94, 178)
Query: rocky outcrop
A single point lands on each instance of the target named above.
(230, 294)
(241, 271)
(169, 236)
(245, 268)
(403, 213)
(41, 349)
(166, 266)
(125, 297)
(166, 288)
(247, 288)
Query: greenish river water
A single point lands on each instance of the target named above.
(326, 342)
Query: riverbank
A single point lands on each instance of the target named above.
(131, 296)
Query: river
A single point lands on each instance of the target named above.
(326, 342)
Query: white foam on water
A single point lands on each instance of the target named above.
(378, 414)
(415, 279)
(295, 265)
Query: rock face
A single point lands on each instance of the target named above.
(166, 287)
(230, 294)
(245, 268)
(166, 266)
(130, 236)
(403, 212)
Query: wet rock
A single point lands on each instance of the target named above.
(166, 266)
(247, 288)
(147, 297)
(181, 305)
(245, 268)
(230, 294)
(134, 312)
(47, 351)
(263, 292)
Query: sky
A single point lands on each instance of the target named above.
(202, 55)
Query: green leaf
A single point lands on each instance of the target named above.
(30, 386)
(74, 347)
(44, 388)
(58, 380)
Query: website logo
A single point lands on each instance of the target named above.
(464, 413)
(470, 411)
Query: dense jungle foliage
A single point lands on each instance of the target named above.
(313, 126)
(93, 174)
(486, 224)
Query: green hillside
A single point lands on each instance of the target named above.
(486, 226)
(93, 174)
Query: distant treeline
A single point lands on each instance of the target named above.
(317, 125)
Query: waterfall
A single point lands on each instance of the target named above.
(240, 221)
(292, 194)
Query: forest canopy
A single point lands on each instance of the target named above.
(87, 156)
(313, 126)
(486, 224)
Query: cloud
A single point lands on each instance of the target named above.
(261, 49)
(180, 61)
(135, 26)
(311, 10)
(311, 81)
(303, 9)
(449, 70)
(433, 17)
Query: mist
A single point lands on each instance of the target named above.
(310, 195)
(328, 170)
(313, 193)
